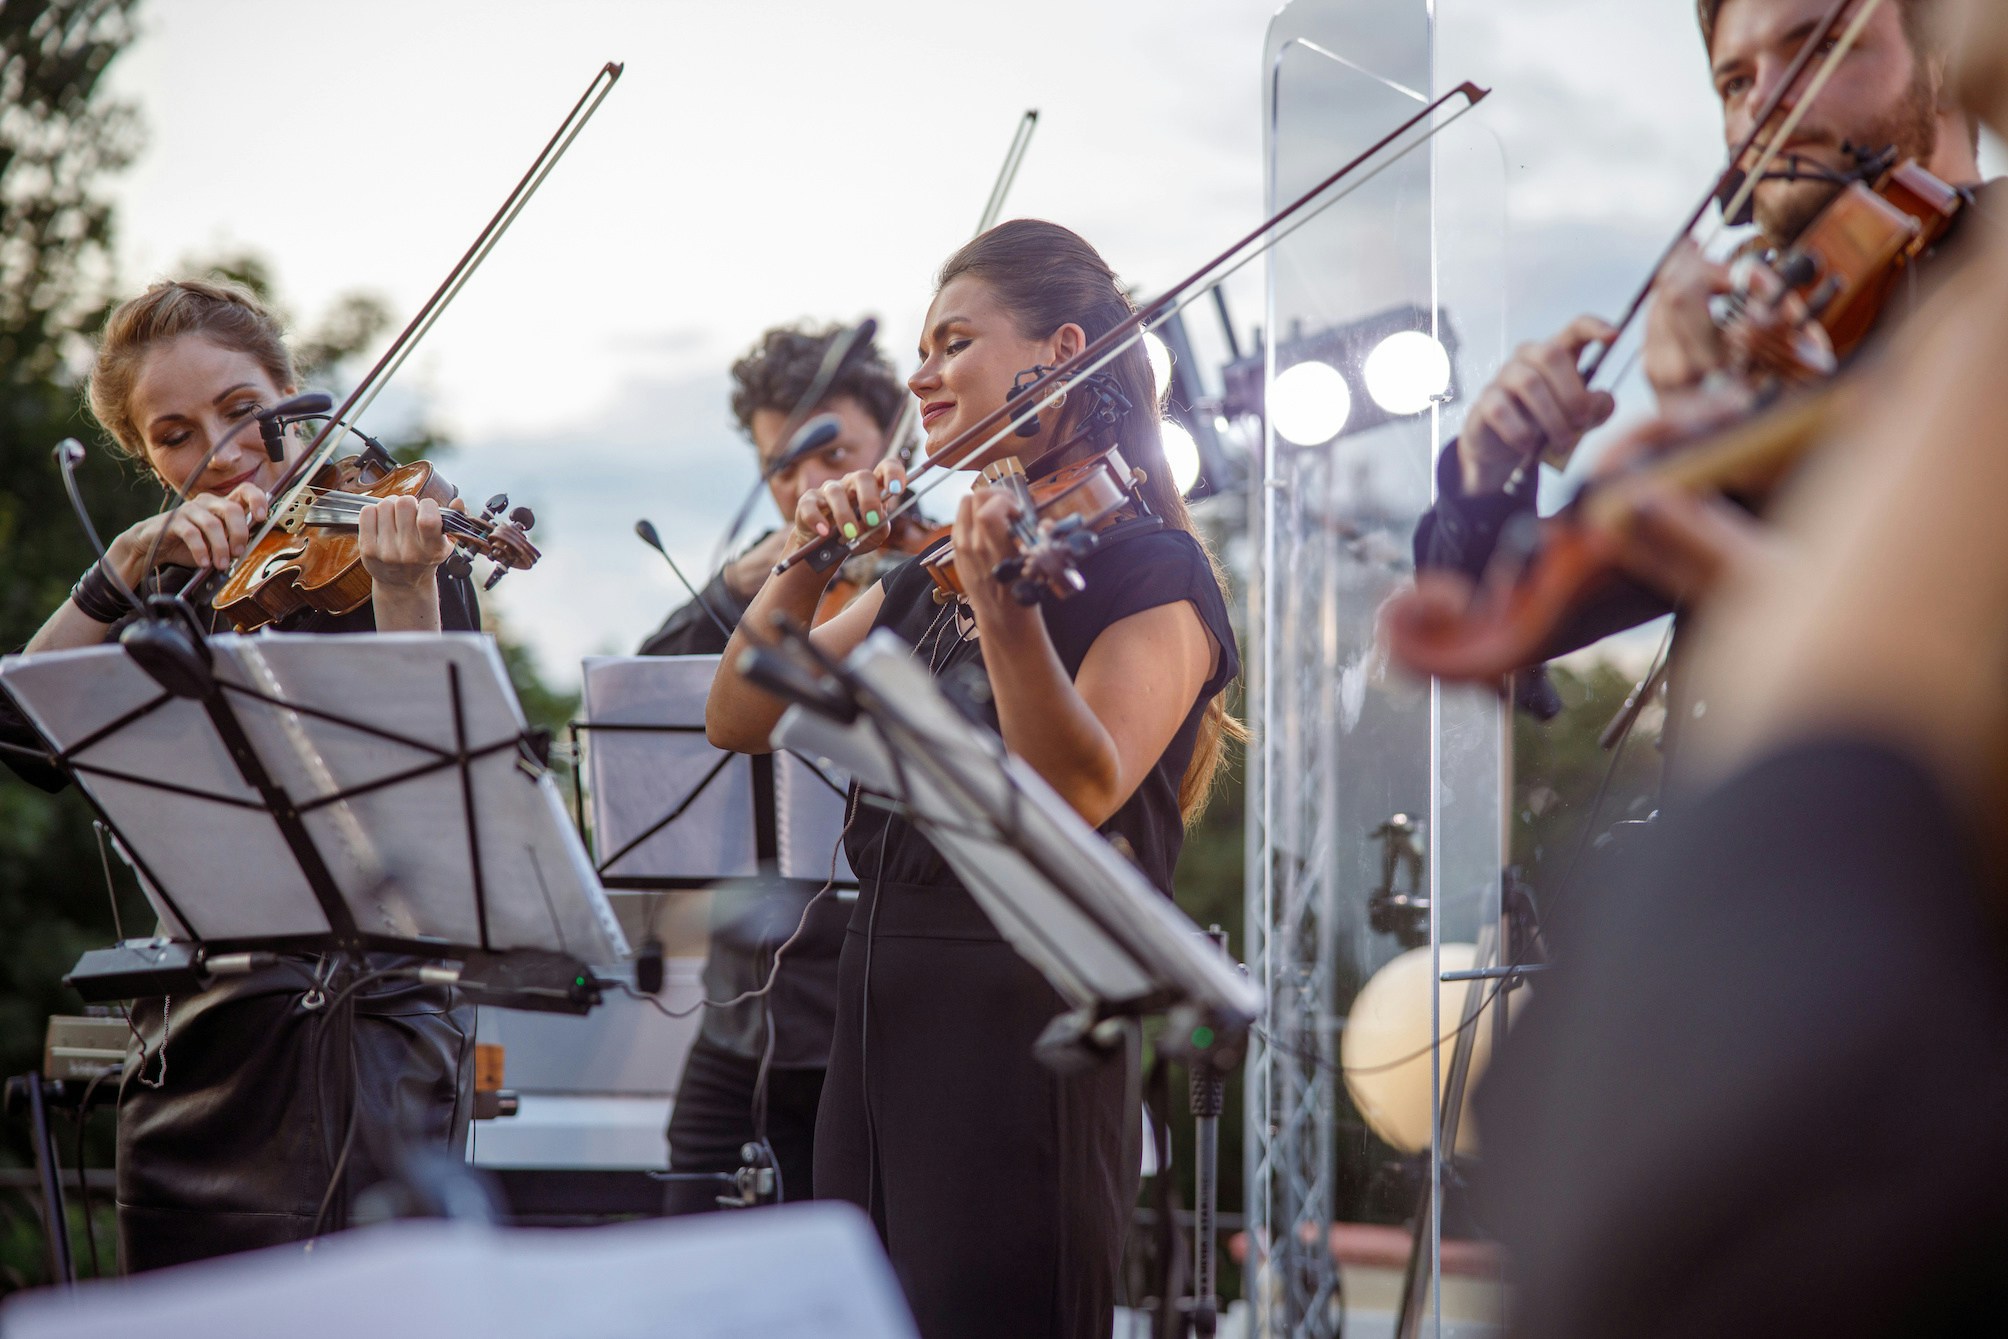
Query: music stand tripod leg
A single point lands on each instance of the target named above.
(1208, 1096)
(49, 1174)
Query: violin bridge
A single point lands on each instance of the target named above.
(293, 515)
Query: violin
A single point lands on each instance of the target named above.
(1840, 272)
(1547, 569)
(1823, 296)
(1063, 513)
(310, 556)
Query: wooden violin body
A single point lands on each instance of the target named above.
(312, 557)
(1061, 519)
(1843, 269)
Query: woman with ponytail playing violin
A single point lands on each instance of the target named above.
(1001, 1188)
(234, 1107)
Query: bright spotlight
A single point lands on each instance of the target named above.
(1160, 363)
(1407, 373)
(1309, 403)
(1181, 453)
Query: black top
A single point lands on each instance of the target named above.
(459, 611)
(1134, 570)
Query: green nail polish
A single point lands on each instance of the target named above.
(871, 519)
(850, 530)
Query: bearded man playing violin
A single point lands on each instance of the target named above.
(1766, 1096)
(1888, 94)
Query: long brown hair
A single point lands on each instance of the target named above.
(1047, 276)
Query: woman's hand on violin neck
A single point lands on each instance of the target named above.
(403, 541)
(854, 508)
(1683, 342)
(1538, 402)
(208, 530)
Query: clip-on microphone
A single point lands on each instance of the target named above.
(169, 643)
(272, 423)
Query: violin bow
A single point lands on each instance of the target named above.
(1821, 34)
(994, 206)
(365, 393)
(1042, 393)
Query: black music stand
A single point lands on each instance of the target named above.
(341, 795)
(671, 813)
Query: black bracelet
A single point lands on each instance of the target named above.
(96, 596)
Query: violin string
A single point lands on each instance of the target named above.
(1199, 289)
(365, 393)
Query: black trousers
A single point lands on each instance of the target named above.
(713, 1118)
(235, 1150)
(1002, 1190)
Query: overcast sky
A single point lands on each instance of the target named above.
(767, 160)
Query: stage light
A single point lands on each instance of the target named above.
(1309, 403)
(1160, 364)
(1407, 372)
(1181, 454)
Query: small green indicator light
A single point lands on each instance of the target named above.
(1202, 1037)
(578, 980)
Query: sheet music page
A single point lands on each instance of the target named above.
(809, 1269)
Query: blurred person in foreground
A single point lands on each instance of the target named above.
(1767, 1093)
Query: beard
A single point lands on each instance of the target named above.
(1785, 208)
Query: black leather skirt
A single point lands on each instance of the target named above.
(228, 1137)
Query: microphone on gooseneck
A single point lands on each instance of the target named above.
(645, 529)
(313, 402)
(272, 423)
(70, 454)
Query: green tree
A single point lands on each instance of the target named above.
(60, 139)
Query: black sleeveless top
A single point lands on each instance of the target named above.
(1134, 570)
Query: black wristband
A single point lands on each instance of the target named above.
(97, 597)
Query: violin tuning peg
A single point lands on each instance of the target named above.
(523, 517)
(494, 505)
(1026, 591)
(494, 577)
